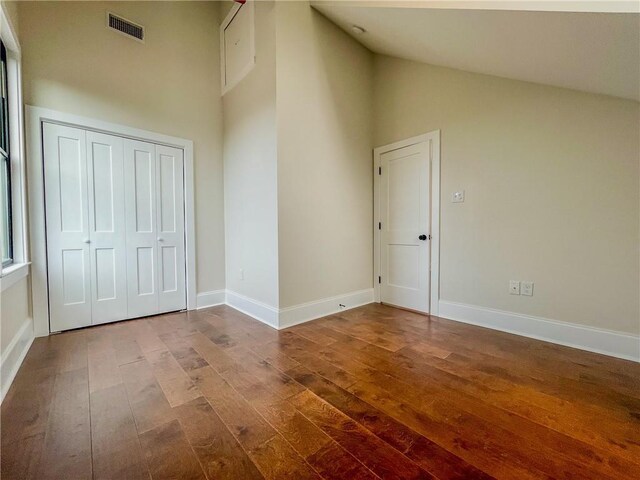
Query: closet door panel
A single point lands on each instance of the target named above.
(141, 230)
(67, 223)
(105, 165)
(144, 173)
(171, 244)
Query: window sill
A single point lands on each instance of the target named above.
(12, 274)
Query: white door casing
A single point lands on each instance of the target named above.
(170, 226)
(407, 223)
(141, 219)
(405, 232)
(68, 248)
(105, 171)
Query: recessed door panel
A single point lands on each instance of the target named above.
(67, 214)
(102, 163)
(169, 269)
(73, 277)
(146, 270)
(144, 190)
(72, 179)
(404, 193)
(405, 218)
(403, 266)
(167, 164)
(106, 274)
(107, 227)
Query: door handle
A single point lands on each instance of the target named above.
(160, 239)
(423, 237)
(86, 240)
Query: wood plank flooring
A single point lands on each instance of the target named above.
(372, 393)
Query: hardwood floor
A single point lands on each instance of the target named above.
(374, 392)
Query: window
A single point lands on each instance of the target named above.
(5, 172)
(13, 229)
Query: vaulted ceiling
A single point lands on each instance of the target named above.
(588, 51)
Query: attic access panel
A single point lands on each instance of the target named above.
(237, 45)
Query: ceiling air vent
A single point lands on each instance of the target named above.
(125, 27)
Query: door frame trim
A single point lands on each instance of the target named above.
(34, 117)
(433, 139)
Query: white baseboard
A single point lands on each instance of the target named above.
(280, 318)
(210, 299)
(305, 312)
(607, 342)
(258, 310)
(13, 356)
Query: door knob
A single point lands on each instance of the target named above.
(86, 240)
(422, 237)
(160, 239)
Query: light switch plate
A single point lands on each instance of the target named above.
(526, 288)
(457, 197)
(514, 287)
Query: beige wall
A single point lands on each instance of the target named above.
(224, 7)
(297, 156)
(11, 9)
(15, 308)
(170, 84)
(552, 190)
(325, 100)
(250, 164)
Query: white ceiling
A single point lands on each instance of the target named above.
(593, 52)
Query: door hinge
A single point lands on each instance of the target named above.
(379, 225)
(379, 279)
(379, 170)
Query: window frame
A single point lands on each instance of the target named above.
(19, 268)
(5, 153)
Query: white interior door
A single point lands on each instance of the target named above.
(405, 234)
(170, 224)
(67, 214)
(141, 236)
(107, 227)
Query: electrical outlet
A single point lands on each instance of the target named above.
(241, 274)
(514, 287)
(527, 289)
(457, 197)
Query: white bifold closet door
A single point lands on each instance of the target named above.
(107, 247)
(155, 228)
(115, 227)
(67, 220)
(171, 243)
